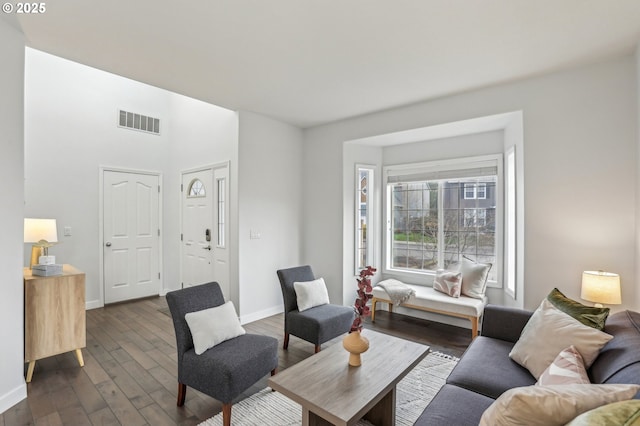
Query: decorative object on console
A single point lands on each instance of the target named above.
(43, 233)
(601, 287)
(354, 342)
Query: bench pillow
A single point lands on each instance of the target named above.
(474, 277)
(448, 282)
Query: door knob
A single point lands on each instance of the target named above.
(207, 247)
(108, 244)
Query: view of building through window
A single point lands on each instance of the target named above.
(434, 223)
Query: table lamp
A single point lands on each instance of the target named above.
(601, 287)
(42, 233)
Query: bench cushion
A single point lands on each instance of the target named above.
(428, 298)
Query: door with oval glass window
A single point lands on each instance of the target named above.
(204, 227)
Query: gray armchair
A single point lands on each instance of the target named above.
(316, 325)
(229, 368)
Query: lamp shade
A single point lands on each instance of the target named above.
(601, 287)
(36, 230)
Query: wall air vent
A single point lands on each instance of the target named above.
(131, 120)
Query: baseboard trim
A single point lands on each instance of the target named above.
(12, 397)
(255, 316)
(93, 304)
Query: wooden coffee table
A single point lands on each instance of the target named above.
(333, 393)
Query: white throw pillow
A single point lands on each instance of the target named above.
(548, 332)
(212, 326)
(310, 294)
(474, 277)
(551, 405)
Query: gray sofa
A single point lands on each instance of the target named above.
(485, 370)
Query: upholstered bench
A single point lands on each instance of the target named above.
(427, 299)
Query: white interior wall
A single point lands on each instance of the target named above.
(12, 385)
(71, 130)
(201, 135)
(580, 143)
(270, 193)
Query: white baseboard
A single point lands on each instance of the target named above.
(93, 304)
(164, 291)
(255, 316)
(12, 397)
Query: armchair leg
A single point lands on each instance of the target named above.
(226, 414)
(317, 349)
(286, 341)
(182, 393)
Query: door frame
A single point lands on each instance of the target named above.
(212, 167)
(102, 170)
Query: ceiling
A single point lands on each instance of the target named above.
(309, 62)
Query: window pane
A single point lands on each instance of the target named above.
(464, 219)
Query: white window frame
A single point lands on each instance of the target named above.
(510, 222)
(437, 167)
(370, 210)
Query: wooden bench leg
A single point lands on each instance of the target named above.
(373, 309)
(474, 327)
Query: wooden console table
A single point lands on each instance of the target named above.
(54, 315)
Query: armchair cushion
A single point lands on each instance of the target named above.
(231, 367)
(320, 324)
(310, 294)
(212, 326)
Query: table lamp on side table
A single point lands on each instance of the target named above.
(601, 287)
(43, 233)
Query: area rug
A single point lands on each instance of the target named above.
(413, 393)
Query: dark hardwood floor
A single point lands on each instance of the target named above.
(129, 377)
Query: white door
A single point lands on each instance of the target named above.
(131, 230)
(204, 228)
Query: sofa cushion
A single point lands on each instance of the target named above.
(548, 332)
(625, 413)
(454, 405)
(486, 368)
(566, 369)
(587, 315)
(551, 405)
(619, 360)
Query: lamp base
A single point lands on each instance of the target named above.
(598, 305)
(36, 252)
